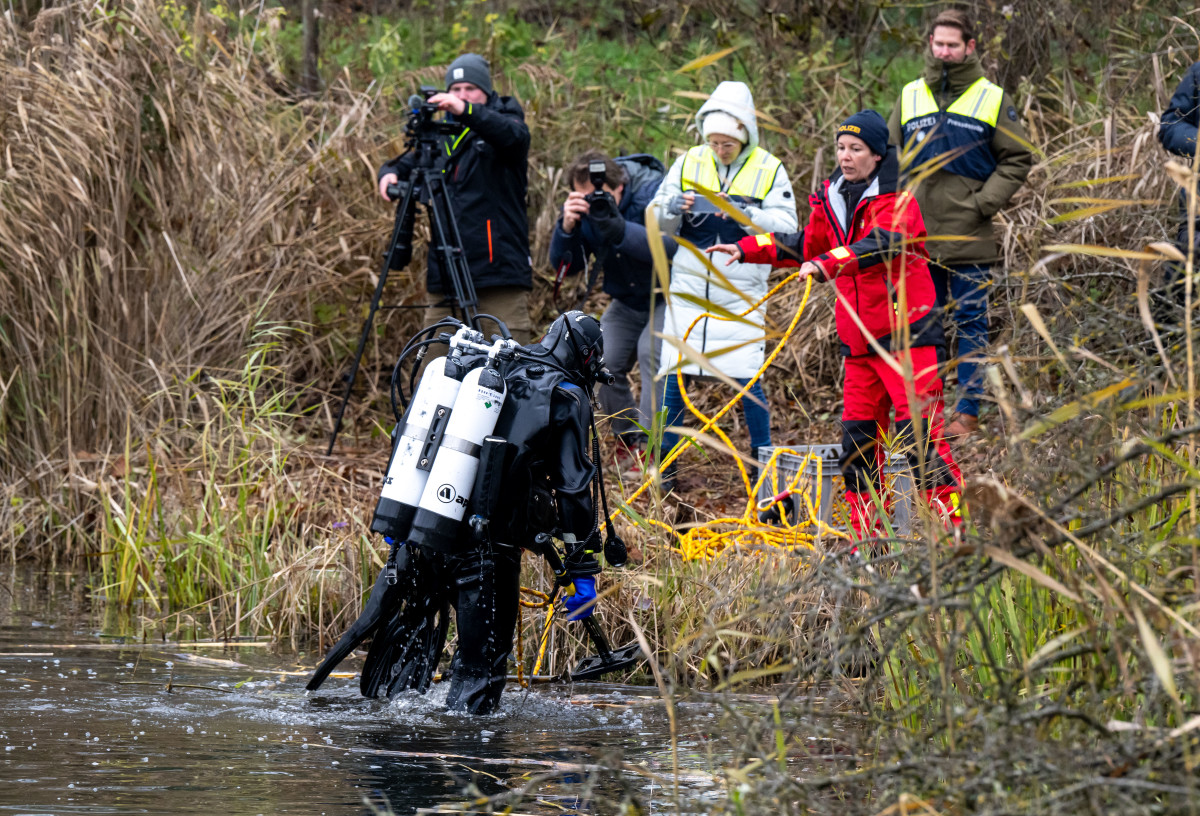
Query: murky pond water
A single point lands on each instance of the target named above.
(88, 724)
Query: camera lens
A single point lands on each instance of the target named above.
(600, 205)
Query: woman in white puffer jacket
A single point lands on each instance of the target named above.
(729, 163)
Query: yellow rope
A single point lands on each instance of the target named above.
(545, 639)
(706, 541)
(545, 601)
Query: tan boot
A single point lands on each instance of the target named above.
(961, 425)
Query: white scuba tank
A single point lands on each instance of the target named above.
(406, 472)
(448, 489)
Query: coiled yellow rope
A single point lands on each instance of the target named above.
(709, 539)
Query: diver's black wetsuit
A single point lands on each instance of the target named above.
(546, 484)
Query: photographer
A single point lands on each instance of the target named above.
(485, 168)
(604, 217)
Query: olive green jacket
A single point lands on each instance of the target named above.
(954, 205)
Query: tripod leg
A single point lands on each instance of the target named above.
(400, 247)
(447, 242)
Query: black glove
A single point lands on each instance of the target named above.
(606, 219)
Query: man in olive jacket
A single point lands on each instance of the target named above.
(485, 167)
(964, 154)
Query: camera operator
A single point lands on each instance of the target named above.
(485, 168)
(604, 217)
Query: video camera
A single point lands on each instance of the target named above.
(601, 204)
(421, 135)
(421, 124)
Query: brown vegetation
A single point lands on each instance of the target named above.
(185, 254)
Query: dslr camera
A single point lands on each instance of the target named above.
(601, 204)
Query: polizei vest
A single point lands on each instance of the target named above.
(749, 185)
(957, 140)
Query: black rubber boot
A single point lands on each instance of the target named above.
(487, 588)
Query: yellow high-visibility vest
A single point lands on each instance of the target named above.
(958, 140)
(753, 179)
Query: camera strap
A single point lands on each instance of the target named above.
(593, 273)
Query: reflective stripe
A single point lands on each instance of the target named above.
(916, 100)
(981, 101)
(841, 253)
(763, 240)
(451, 147)
(754, 179)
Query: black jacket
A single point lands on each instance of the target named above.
(486, 175)
(629, 267)
(1177, 128)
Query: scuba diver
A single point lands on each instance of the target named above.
(490, 458)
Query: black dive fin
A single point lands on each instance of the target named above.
(384, 598)
(595, 666)
(608, 660)
(405, 650)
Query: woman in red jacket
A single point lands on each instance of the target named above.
(867, 236)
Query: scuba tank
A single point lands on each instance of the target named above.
(412, 455)
(447, 491)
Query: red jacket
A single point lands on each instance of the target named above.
(880, 256)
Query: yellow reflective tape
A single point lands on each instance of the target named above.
(981, 102)
(841, 253)
(916, 100)
(763, 240)
(699, 170)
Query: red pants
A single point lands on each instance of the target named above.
(872, 389)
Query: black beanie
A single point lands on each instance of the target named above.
(870, 127)
(470, 68)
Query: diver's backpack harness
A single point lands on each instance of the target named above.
(443, 455)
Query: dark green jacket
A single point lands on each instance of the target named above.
(954, 205)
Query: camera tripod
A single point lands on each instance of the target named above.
(427, 185)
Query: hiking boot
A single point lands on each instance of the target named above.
(961, 425)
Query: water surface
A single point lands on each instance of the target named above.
(97, 723)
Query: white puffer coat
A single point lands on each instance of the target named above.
(736, 348)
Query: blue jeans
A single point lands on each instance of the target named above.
(962, 292)
(755, 409)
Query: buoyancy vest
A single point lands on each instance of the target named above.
(749, 185)
(525, 423)
(957, 140)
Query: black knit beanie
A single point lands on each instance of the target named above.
(870, 127)
(470, 68)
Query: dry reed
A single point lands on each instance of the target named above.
(184, 257)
